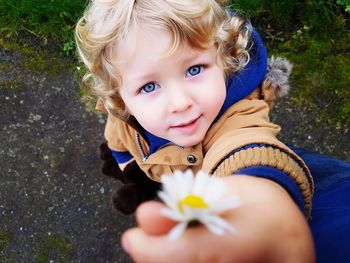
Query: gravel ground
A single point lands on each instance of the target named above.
(54, 202)
(301, 127)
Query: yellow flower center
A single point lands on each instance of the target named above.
(193, 201)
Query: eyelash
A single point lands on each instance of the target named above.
(142, 89)
(201, 69)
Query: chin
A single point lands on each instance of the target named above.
(190, 143)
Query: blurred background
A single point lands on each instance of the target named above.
(54, 202)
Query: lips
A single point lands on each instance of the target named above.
(185, 124)
(187, 128)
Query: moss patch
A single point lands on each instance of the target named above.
(5, 239)
(321, 75)
(57, 248)
(35, 55)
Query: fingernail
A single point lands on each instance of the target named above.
(125, 244)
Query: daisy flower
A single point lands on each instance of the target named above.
(191, 199)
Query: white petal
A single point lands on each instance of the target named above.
(189, 213)
(220, 223)
(180, 184)
(193, 213)
(211, 189)
(170, 202)
(167, 184)
(201, 184)
(215, 229)
(225, 204)
(217, 190)
(165, 178)
(188, 181)
(177, 231)
(171, 214)
(189, 176)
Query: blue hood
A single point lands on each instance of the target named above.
(243, 82)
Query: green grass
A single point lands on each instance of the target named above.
(49, 20)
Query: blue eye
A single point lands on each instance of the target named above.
(194, 70)
(148, 88)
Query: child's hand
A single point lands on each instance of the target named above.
(270, 228)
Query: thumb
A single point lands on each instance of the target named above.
(144, 248)
(151, 221)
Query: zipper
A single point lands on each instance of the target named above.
(143, 154)
(138, 140)
(171, 143)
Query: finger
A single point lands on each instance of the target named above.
(144, 248)
(150, 219)
(196, 245)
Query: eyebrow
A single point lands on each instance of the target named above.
(188, 57)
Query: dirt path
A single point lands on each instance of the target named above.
(54, 203)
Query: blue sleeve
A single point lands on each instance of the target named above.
(277, 176)
(121, 157)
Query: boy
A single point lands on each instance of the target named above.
(169, 75)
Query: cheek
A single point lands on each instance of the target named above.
(218, 95)
(126, 101)
(148, 123)
(132, 105)
(222, 85)
(146, 115)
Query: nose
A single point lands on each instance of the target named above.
(179, 98)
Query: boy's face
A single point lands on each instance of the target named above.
(174, 97)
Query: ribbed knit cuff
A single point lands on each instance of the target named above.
(274, 157)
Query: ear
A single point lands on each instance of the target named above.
(276, 83)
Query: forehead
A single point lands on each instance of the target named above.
(146, 53)
(143, 43)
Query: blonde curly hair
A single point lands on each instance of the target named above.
(196, 23)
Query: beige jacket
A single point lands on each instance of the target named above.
(246, 122)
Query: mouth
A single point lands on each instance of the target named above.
(192, 124)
